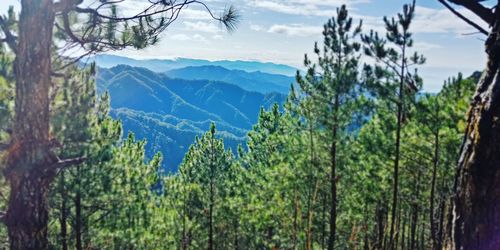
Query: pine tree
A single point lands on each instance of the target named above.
(396, 62)
(212, 165)
(334, 91)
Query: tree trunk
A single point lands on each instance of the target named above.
(212, 196)
(415, 212)
(422, 237)
(78, 212)
(323, 222)
(210, 218)
(64, 215)
(310, 217)
(312, 197)
(236, 234)
(398, 228)
(403, 231)
(442, 206)
(380, 226)
(30, 165)
(476, 213)
(183, 237)
(432, 220)
(395, 177)
(413, 232)
(366, 244)
(295, 220)
(333, 177)
(27, 216)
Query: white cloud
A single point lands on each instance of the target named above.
(185, 37)
(194, 14)
(180, 37)
(425, 46)
(296, 30)
(305, 7)
(198, 37)
(201, 26)
(255, 27)
(427, 20)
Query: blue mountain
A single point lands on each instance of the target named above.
(158, 65)
(169, 113)
(251, 81)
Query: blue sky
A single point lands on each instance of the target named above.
(282, 31)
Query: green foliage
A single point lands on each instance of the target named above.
(276, 194)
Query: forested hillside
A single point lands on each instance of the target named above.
(355, 156)
(251, 81)
(169, 113)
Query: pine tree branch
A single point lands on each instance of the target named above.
(10, 39)
(143, 14)
(75, 60)
(473, 5)
(4, 146)
(3, 216)
(61, 164)
(65, 5)
(458, 14)
(57, 74)
(69, 32)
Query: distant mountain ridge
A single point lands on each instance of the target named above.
(164, 65)
(169, 113)
(252, 81)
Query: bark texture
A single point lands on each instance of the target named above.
(29, 163)
(476, 213)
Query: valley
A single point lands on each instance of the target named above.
(170, 109)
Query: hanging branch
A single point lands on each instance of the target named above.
(151, 22)
(473, 5)
(10, 39)
(4, 146)
(458, 14)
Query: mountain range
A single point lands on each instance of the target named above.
(251, 81)
(170, 112)
(164, 65)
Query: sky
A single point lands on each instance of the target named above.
(282, 31)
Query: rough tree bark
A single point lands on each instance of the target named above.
(30, 165)
(476, 212)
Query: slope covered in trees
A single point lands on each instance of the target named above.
(273, 194)
(251, 81)
(170, 113)
(303, 179)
